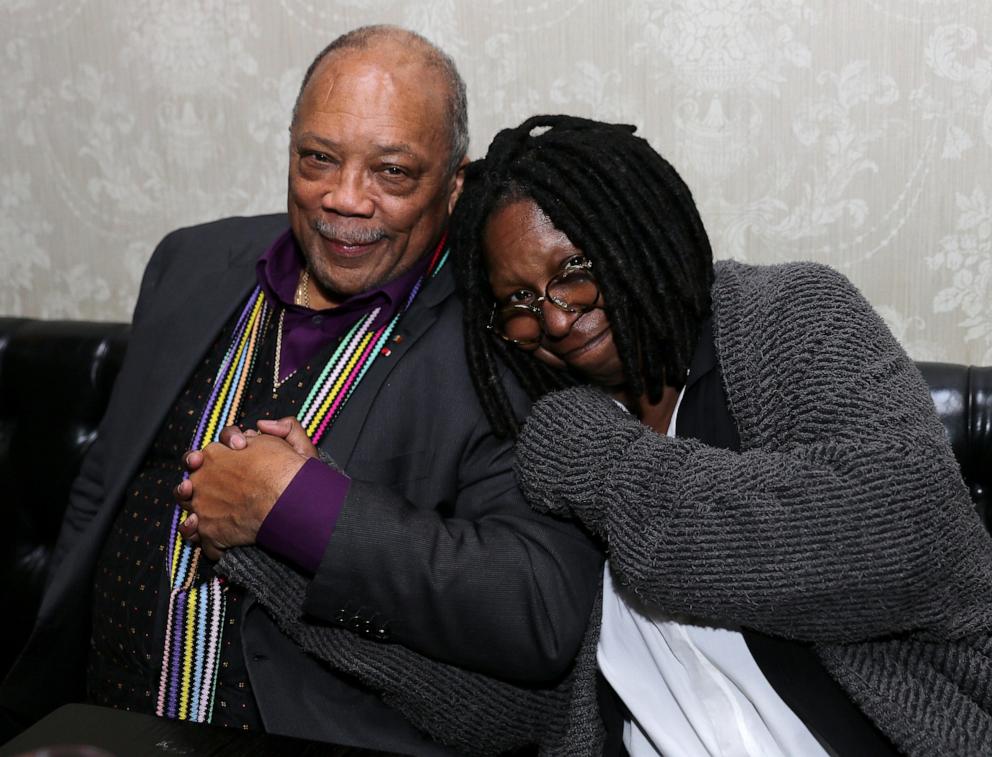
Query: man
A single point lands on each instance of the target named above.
(423, 546)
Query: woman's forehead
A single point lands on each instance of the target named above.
(520, 240)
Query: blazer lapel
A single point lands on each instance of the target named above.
(340, 442)
(175, 335)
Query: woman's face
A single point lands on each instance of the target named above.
(523, 252)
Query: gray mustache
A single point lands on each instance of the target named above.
(340, 233)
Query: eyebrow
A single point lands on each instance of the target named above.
(383, 148)
(495, 282)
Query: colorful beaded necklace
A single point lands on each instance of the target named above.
(195, 620)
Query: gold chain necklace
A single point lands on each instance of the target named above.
(300, 297)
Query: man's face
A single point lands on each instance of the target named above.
(369, 187)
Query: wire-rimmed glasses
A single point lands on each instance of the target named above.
(519, 319)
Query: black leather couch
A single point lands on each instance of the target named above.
(55, 380)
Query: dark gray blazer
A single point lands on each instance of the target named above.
(434, 541)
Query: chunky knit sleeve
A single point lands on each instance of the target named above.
(843, 518)
(471, 712)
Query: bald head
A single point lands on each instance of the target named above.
(395, 43)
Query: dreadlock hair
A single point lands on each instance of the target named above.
(627, 209)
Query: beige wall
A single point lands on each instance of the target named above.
(853, 132)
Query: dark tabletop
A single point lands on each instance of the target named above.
(82, 730)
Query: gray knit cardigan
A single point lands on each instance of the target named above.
(843, 520)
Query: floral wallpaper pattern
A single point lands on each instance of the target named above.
(853, 132)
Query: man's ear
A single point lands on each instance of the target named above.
(458, 180)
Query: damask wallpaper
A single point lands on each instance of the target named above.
(853, 132)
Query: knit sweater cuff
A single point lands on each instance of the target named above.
(568, 449)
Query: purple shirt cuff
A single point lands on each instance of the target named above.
(302, 520)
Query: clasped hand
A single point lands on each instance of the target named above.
(234, 483)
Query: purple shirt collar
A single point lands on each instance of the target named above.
(279, 272)
(306, 331)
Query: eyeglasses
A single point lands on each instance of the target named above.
(519, 319)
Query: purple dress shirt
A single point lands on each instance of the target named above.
(302, 520)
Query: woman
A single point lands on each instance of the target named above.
(794, 563)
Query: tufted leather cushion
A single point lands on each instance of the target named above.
(55, 381)
(963, 398)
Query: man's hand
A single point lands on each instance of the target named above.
(233, 486)
(233, 437)
(290, 429)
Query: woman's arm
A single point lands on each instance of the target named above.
(844, 518)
